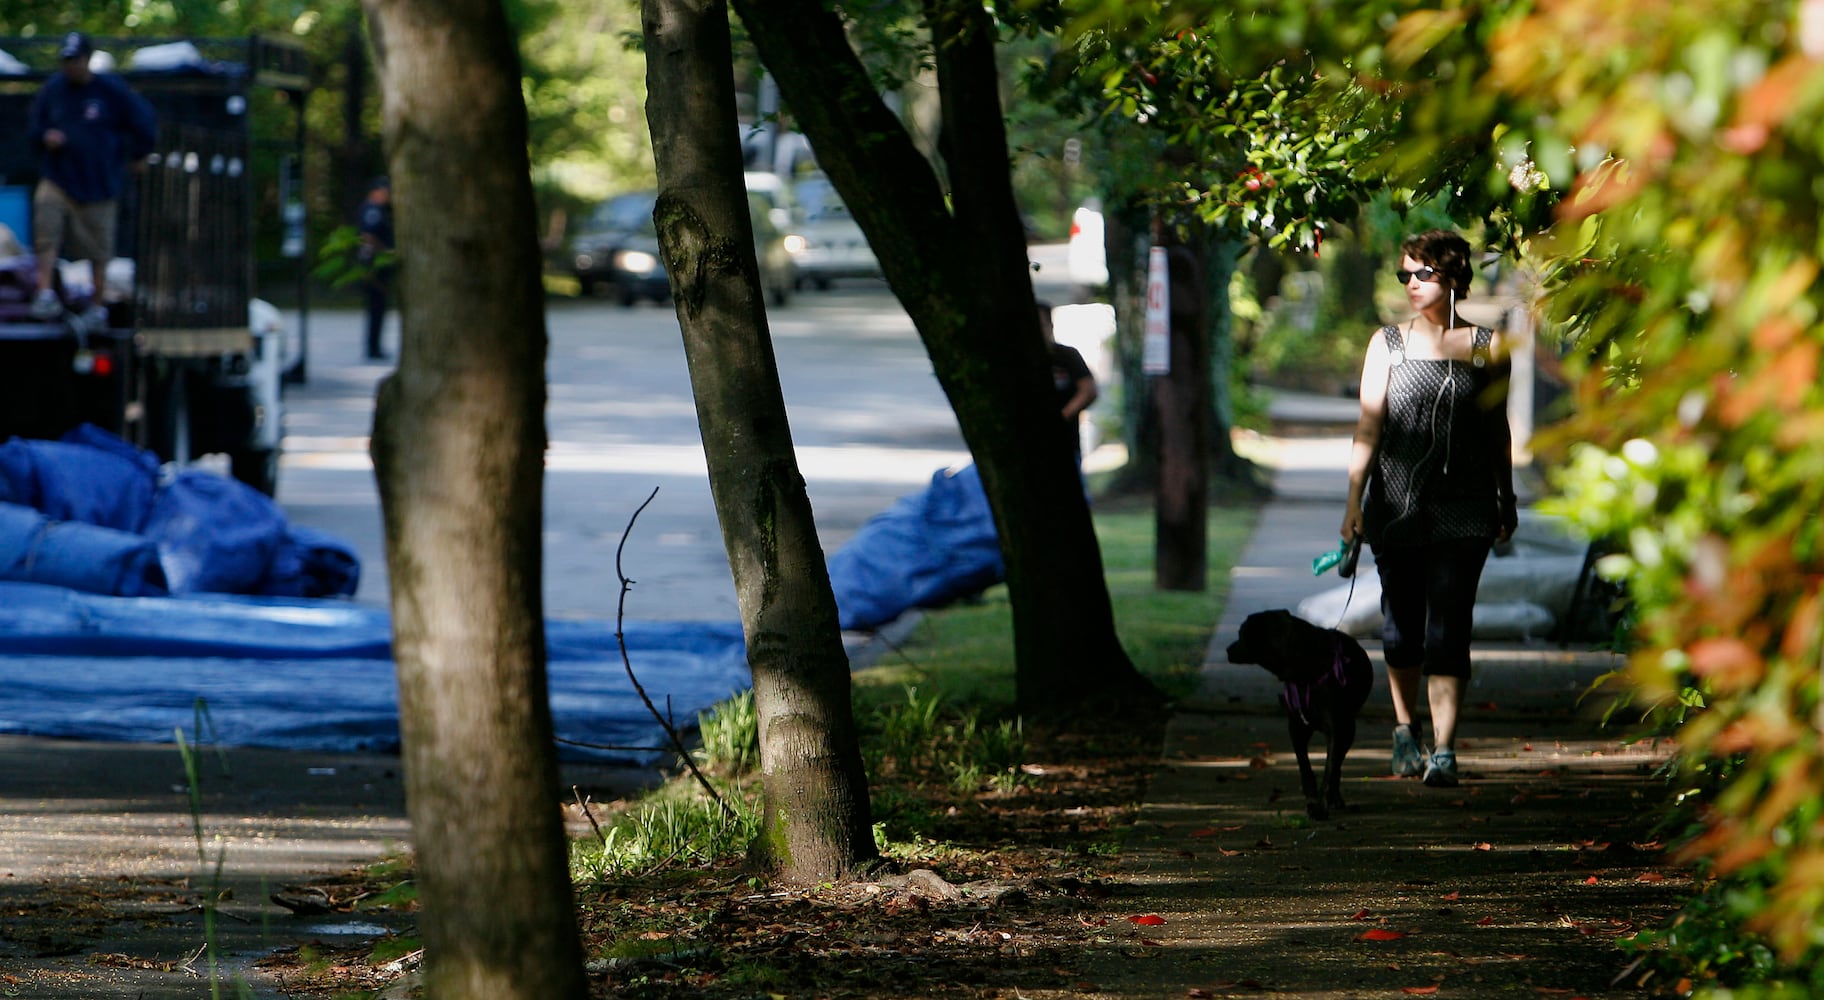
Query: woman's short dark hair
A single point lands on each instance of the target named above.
(1445, 251)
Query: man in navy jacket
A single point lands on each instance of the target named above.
(86, 126)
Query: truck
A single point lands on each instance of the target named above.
(188, 360)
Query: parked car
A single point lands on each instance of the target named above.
(825, 241)
(776, 192)
(619, 247)
(772, 248)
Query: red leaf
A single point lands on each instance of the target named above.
(1652, 877)
(1361, 914)
(1485, 921)
(1485, 846)
(1590, 881)
(1380, 934)
(1148, 920)
(1208, 831)
(1453, 895)
(1151, 943)
(1419, 990)
(1528, 748)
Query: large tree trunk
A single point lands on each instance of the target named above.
(959, 266)
(817, 824)
(458, 447)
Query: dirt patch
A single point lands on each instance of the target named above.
(1519, 883)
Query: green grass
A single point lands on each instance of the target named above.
(965, 651)
(942, 707)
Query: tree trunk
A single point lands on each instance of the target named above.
(458, 447)
(1126, 226)
(1221, 252)
(1181, 506)
(957, 261)
(355, 156)
(817, 824)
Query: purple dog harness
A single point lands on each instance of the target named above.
(1298, 695)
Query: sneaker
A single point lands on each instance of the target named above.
(1441, 770)
(46, 305)
(1407, 760)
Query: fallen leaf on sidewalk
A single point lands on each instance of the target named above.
(1419, 990)
(1484, 846)
(1361, 914)
(1485, 922)
(1148, 920)
(1452, 896)
(1651, 877)
(1380, 934)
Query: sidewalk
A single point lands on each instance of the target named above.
(1514, 884)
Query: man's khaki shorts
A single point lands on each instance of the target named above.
(81, 232)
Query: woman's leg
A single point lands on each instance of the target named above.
(1404, 684)
(1446, 697)
(1403, 647)
(1453, 573)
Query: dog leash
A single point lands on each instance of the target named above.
(1343, 615)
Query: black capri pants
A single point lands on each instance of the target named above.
(1428, 599)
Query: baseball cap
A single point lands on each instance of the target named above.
(75, 44)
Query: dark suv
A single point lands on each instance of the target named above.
(618, 247)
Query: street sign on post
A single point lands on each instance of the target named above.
(1156, 349)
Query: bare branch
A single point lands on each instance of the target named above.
(620, 618)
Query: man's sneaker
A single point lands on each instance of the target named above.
(46, 305)
(1441, 770)
(1407, 760)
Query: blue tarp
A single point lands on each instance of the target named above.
(210, 533)
(314, 674)
(927, 550)
(85, 557)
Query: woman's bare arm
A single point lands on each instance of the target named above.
(1367, 443)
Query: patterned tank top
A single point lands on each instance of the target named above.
(1432, 476)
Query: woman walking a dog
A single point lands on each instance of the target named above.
(1432, 461)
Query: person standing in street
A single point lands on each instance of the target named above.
(86, 126)
(1432, 460)
(374, 222)
(1071, 380)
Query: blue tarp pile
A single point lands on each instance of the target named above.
(92, 513)
(928, 549)
(315, 675)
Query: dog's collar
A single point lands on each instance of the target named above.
(1298, 694)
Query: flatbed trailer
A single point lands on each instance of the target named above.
(178, 365)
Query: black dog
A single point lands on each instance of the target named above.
(1328, 678)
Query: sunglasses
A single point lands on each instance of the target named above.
(1425, 274)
